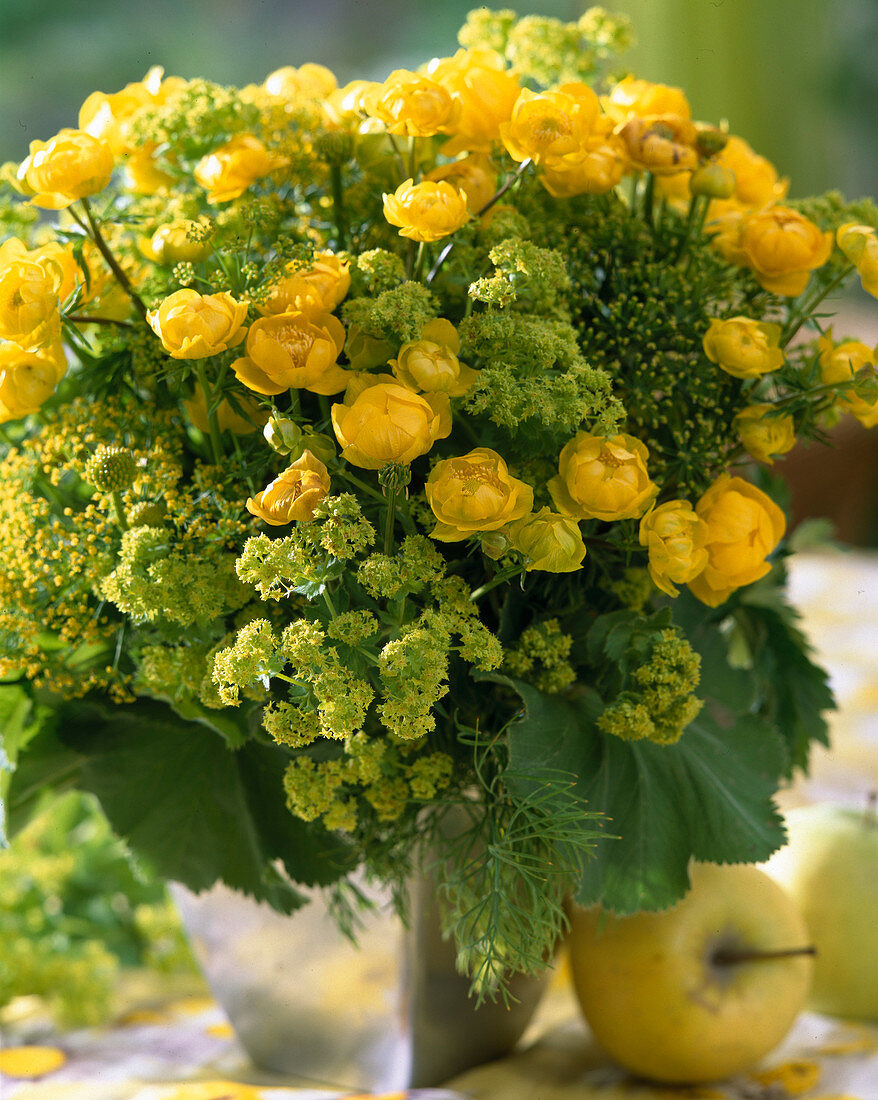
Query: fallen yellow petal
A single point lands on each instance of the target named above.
(31, 1061)
(794, 1077)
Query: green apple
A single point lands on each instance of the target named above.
(830, 868)
(699, 991)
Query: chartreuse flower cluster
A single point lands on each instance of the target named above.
(339, 419)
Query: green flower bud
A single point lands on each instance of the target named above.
(713, 180)
(110, 469)
(321, 446)
(284, 436)
(710, 141)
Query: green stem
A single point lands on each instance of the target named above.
(399, 155)
(419, 261)
(341, 223)
(413, 157)
(216, 443)
(648, 198)
(112, 262)
(362, 485)
(500, 578)
(119, 510)
(806, 309)
(81, 319)
(327, 599)
(389, 519)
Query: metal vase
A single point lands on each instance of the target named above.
(389, 1013)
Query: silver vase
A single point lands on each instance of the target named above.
(389, 1013)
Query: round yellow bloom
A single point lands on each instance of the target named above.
(603, 478)
(108, 117)
(473, 175)
(783, 247)
(251, 417)
(294, 494)
(293, 351)
(596, 171)
(484, 92)
(67, 167)
(475, 493)
(840, 362)
(228, 171)
(859, 243)
(413, 105)
(744, 347)
(756, 180)
(551, 542)
(765, 436)
(386, 424)
(143, 174)
(662, 144)
(675, 538)
(317, 289)
(193, 326)
(309, 81)
(170, 244)
(430, 363)
(551, 128)
(28, 379)
(29, 314)
(426, 211)
(743, 527)
(54, 258)
(632, 96)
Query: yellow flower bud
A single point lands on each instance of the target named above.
(228, 171)
(294, 494)
(171, 244)
(387, 424)
(283, 435)
(551, 542)
(413, 105)
(743, 347)
(67, 167)
(840, 362)
(484, 93)
(765, 436)
(193, 326)
(783, 247)
(859, 243)
(431, 364)
(743, 527)
(293, 351)
(317, 289)
(603, 478)
(475, 493)
(675, 538)
(426, 211)
(28, 379)
(472, 175)
(29, 313)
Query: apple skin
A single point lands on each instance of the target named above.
(658, 1003)
(830, 868)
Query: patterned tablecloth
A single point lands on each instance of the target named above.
(182, 1048)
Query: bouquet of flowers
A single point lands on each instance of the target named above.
(377, 450)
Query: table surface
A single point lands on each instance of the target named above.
(175, 1044)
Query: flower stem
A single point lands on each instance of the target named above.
(500, 578)
(389, 519)
(216, 443)
(118, 509)
(327, 599)
(112, 262)
(82, 319)
(341, 222)
(806, 309)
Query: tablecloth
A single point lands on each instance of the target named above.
(182, 1048)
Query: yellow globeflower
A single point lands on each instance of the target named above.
(484, 92)
(386, 424)
(242, 418)
(551, 542)
(473, 175)
(596, 172)
(67, 167)
(143, 174)
(632, 96)
(430, 363)
(744, 347)
(413, 105)
(756, 180)
(293, 351)
(316, 289)
(29, 314)
(675, 538)
(743, 527)
(228, 171)
(294, 494)
(55, 259)
(783, 247)
(171, 244)
(28, 379)
(193, 326)
(309, 81)
(840, 362)
(859, 243)
(475, 493)
(765, 436)
(551, 128)
(603, 478)
(662, 144)
(426, 211)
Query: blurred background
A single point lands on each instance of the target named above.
(796, 78)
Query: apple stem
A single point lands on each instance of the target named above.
(729, 957)
(870, 815)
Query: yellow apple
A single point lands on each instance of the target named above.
(830, 868)
(700, 991)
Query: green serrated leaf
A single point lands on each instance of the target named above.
(708, 797)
